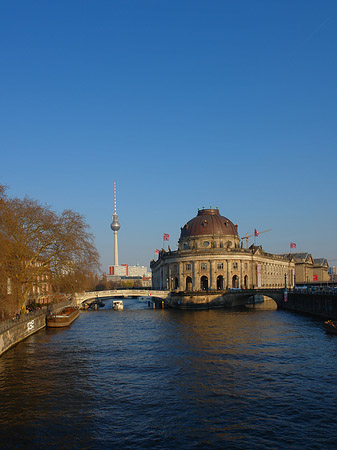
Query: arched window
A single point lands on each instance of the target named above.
(245, 281)
(235, 281)
(204, 283)
(219, 282)
(176, 283)
(188, 283)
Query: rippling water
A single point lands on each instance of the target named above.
(140, 378)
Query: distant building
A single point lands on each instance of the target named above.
(304, 267)
(125, 270)
(321, 270)
(119, 271)
(139, 275)
(40, 287)
(309, 270)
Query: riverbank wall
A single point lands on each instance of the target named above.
(14, 331)
(320, 305)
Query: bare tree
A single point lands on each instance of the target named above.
(37, 242)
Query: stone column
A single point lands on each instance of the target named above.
(241, 277)
(212, 278)
(161, 277)
(168, 277)
(181, 277)
(253, 281)
(210, 274)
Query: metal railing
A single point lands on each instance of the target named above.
(7, 324)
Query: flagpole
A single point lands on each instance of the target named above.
(165, 238)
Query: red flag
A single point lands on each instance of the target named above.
(156, 252)
(292, 245)
(256, 233)
(166, 237)
(315, 278)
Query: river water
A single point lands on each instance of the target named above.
(166, 379)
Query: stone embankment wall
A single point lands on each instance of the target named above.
(14, 331)
(204, 300)
(320, 305)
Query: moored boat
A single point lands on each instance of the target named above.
(330, 326)
(64, 318)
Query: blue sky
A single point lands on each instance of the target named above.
(185, 104)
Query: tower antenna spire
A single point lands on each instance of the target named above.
(115, 199)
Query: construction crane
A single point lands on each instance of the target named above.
(256, 233)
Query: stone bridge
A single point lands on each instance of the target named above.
(92, 296)
(195, 299)
(318, 304)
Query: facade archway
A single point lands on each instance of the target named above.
(189, 284)
(219, 282)
(204, 283)
(176, 283)
(235, 281)
(245, 282)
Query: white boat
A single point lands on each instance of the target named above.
(117, 304)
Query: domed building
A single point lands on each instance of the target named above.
(211, 257)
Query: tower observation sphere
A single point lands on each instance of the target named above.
(115, 226)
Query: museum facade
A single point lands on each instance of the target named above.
(211, 257)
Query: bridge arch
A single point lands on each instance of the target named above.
(274, 294)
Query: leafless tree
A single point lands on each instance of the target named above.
(36, 242)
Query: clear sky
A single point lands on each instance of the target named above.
(185, 104)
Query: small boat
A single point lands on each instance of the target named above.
(330, 326)
(62, 319)
(117, 304)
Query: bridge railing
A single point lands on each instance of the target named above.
(85, 296)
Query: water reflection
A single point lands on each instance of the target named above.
(140, 378)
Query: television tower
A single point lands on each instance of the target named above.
(115, 226)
